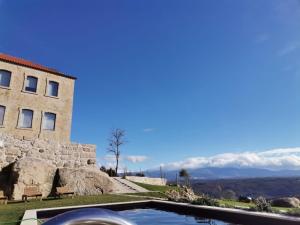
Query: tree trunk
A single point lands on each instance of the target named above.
(117, 166)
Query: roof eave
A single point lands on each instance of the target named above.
(44, 70)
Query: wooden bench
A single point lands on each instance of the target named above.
(3, 197)
(60, 191)
(32, 191)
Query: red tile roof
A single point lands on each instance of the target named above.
(26, 63)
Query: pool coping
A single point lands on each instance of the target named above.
(183, 208)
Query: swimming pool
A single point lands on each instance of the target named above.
(148, 212)
(154, 216)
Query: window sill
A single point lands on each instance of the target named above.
(29, 92)
(24, 128)
(2, 126)
(49, 96)
(45, 130)
(4, 87)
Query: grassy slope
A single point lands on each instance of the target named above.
(162, 189)
(156, 191)
(233, 203)
(150, 194)
(14, 212)
(229, 203)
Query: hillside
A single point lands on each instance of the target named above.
(268, 187)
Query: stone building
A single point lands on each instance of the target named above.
(35, 101)
(35, 125)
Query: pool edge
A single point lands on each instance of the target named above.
(217, 212)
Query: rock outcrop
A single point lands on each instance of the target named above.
(85, 181)
(28, 162)
(184, 194)
(286, 202)
(31, 171)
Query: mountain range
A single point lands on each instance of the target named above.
(225, 173)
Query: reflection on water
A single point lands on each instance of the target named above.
(205, 221)
(152, 216)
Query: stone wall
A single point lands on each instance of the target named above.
(70, 155)
(27, 162)
(147, 180)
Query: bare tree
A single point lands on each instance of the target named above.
(115, 141)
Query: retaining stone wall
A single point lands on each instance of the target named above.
(147, 180)
(69, 155)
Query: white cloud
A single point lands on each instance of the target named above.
(282, 158)
(291, 47)
(109, 161)
(136, 158)
(148, 129)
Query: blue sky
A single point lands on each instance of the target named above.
(187, 80)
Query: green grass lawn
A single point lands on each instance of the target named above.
(14, 211)
(150, 194)
(162, 189)
(233, 203)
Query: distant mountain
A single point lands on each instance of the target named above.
(227, 173)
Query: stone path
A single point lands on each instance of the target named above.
(125, 186)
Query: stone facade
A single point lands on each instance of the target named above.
(15, 98)
(70, 155)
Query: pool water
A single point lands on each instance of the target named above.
(153, 216)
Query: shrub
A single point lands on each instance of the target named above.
(103, 169)
(111, 172)
(246, 199)
(286, 202)
(140, 174)
(205, 200)
(262, 205)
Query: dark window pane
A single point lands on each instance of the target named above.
(26, 118)
(49, 121)
(2, 112)
(52, 89)
(5, 78)
(31, 84)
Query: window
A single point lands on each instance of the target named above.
(31, 84)
(49, 121)
(5, 78)
(26, 118)
(2, 112)
(52, 89)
